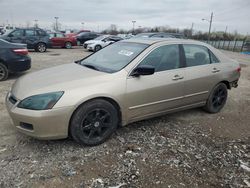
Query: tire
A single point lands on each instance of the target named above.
(97, 48)
(94, 122)
(68, 45)
(217, 98)
(3, 72)
(41, 47)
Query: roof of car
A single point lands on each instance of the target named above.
(157, 40)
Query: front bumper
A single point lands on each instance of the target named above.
(43, 124)
(90, 47)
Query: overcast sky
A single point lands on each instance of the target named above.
(148, 13)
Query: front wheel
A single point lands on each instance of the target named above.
(97, 48)
(217, 98)
(41, 47)
(94, 122)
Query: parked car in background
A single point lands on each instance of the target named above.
(128, 81)
(125, 36)
(1, 31)
(35, 38)
(13, 58)
(100, 42)
(160, 35)
(246, 46)
(61, 40)
(76, 33)
(84, 36)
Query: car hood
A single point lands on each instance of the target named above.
(91, 41)
(59, 78)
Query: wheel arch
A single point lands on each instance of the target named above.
(4, 63)
(41, 42)
(226, 83)
(110, 100)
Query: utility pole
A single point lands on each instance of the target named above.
(191, 33)
(210, 24)
(133, 26)
(56, 23)
(226, 30)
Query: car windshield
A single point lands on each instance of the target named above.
(114, 57)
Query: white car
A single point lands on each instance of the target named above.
(100, 42)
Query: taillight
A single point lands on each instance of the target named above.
(238, 69)
(21, 51)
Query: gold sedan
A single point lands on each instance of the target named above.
(125, 82)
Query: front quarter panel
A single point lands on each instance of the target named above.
(113, 86)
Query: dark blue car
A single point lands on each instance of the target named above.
(13, 58)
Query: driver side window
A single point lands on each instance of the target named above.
(163, 58)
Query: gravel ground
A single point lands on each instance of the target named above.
(184, 149)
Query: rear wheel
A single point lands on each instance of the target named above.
(217, 98)
(94, 122)
(3, 72)
(41, 47)
(68, 45)
(97, 48)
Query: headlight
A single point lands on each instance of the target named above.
(41, 102)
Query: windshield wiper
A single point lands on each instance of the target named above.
(91, 66)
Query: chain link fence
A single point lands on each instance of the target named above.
(235, 45)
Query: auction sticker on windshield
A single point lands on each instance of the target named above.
(125, 52)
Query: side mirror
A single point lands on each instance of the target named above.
(143, 70)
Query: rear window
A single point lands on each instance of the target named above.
(41, 33)
(196, 55)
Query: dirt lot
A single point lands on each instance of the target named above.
(185, 149)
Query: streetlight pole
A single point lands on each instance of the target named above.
(133, 26)
(210, 25)
(56, 23)
(36, 25)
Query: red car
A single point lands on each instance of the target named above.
(61, 40)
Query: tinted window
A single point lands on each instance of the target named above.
(196, 55)
(214, 59)
(163, 58)
(29, 32)
(59, 35)
(17, 33)
(52, 35)
(40, 32)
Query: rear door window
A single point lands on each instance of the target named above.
(196, 55)
(59, 35)
(40, 33)
(30, 33)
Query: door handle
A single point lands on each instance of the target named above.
(215, 70)
(177, 77)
